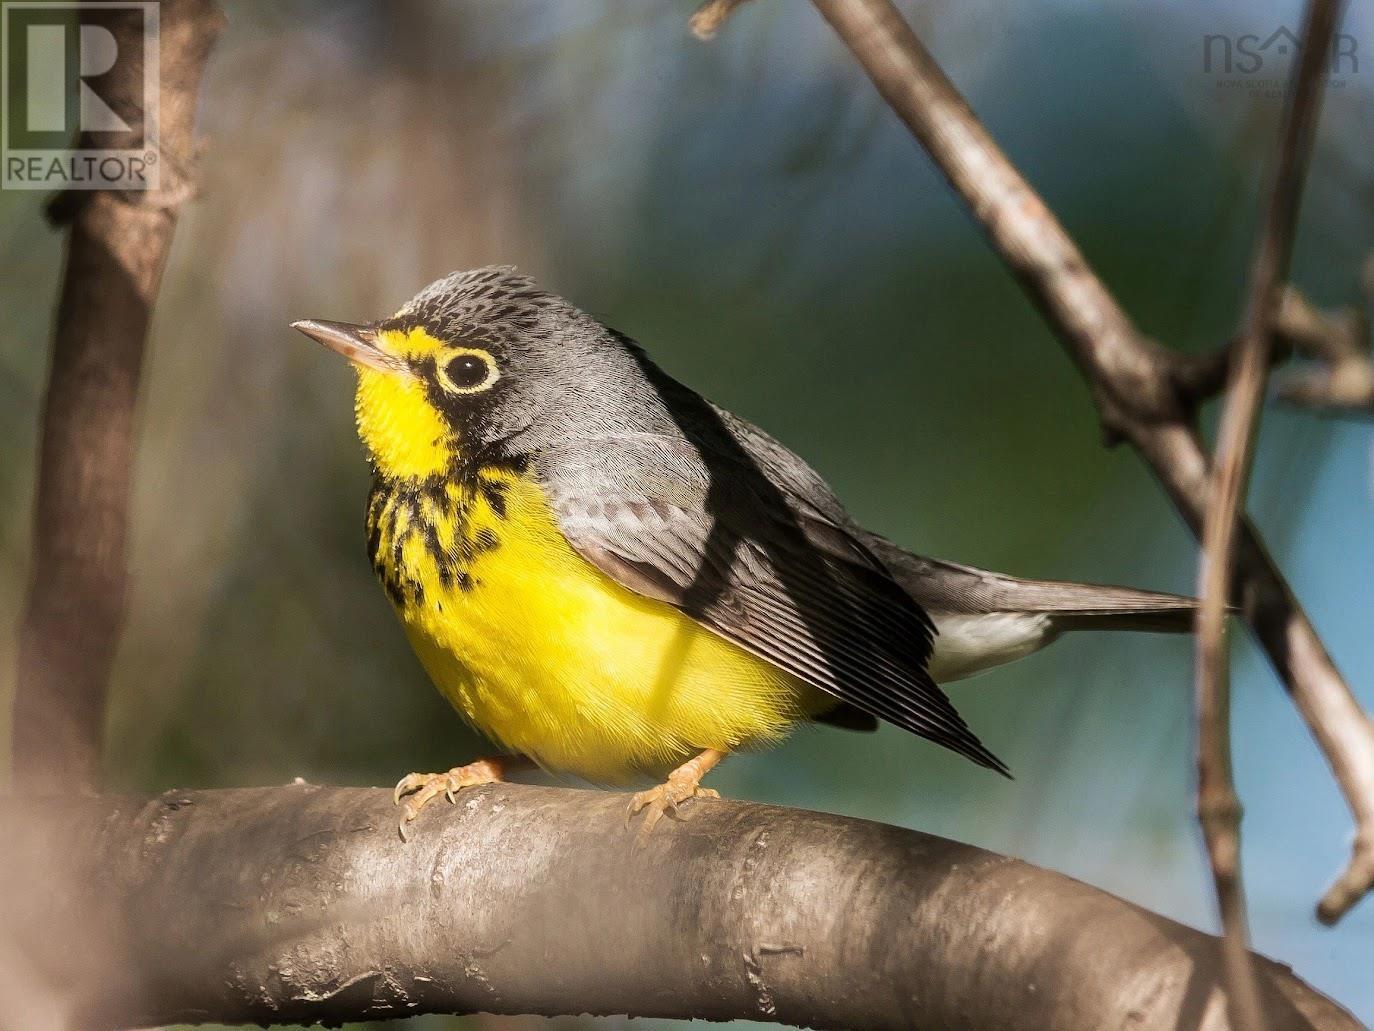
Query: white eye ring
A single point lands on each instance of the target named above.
(463, 382)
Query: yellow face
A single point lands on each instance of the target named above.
(406, 378)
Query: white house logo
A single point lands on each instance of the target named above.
(1263, 60)
(64, 125)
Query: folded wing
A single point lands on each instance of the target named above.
(701, 523)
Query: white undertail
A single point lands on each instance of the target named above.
(968, 643)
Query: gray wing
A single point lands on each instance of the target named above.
(707, 522)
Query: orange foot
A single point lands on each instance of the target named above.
(683, 783)
(424, 788)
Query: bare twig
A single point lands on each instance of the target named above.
(1335, 343)
(1338, 344)
(1218, 807)
(300, 904)
(711, 15)
(1121, 365)
(115, 257)
(1133, 383)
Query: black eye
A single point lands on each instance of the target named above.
(469, 371)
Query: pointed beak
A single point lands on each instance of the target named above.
(356, 343)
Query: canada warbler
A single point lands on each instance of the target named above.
(611, 576)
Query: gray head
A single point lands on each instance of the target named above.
(479, 364)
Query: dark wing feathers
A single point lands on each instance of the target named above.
(850, 718)
(725, 540)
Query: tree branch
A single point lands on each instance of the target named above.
(1338, 343)
(1134, 384)
(299, 904)
(1218, 807)
(711, 15)
(115, 257)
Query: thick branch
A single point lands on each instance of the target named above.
(300, 904)
(115, 256)
(1133, 383)
(1219, 810)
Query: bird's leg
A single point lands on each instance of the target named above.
(423, 788)
(683, 783)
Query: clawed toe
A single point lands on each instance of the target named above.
(411, 783)
(683, 783)
(423, 788)
(663, 800)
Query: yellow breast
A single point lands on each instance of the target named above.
(550, 656)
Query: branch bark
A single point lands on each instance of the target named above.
(1135, 384)
(300, 904)
(116, 253)
(1218, 807)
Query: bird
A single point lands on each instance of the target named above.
(613, 578)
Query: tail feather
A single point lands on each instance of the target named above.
(946, 587)
(1177, 617)
(1075, 606)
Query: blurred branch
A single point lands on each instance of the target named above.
(1135, 384)
(116, 252)
(299, 904)
(711, 15)
(1218, 807)
(1338, 343)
